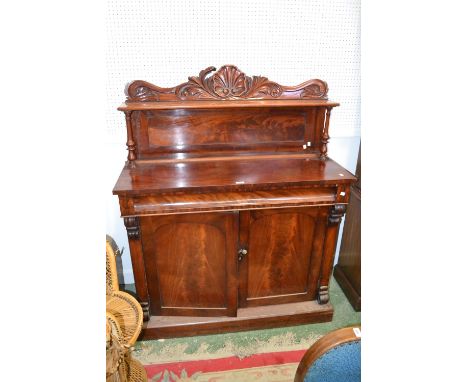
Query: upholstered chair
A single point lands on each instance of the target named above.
(336, 357)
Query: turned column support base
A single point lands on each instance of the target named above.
(146, 310)
(323, 296)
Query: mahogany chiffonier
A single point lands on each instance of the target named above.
(231, 204)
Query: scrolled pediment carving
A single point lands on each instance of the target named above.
(228, 83)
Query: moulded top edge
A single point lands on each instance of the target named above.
(223, 104)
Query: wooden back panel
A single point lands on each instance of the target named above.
(226, 113)
(227, 130)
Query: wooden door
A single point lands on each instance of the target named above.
(191, 263)
(284, 250)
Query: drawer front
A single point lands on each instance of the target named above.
(180, 203)
(191, 263)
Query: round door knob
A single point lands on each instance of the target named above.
(242, 252)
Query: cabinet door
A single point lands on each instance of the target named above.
(284, 251)
(191, 263)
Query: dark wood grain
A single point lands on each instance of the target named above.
(232, 130)
(284, 255)
(348, 269)
(334, 219)
(131, 146)
(261, 317)
(228, 83)
(322, 346)
(163, 204)
(191, 263)
(358, 171)
(210, 127)
(227, 111)
(132, 224)
(325, 137)
(231, 202)
(233, 175)
(220, 105)
(346, 283)
(226, 122)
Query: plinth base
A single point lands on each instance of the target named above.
(261, 317)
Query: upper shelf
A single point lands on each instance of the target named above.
(226, 88)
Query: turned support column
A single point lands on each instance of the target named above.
(333, 224)
(132, 224)
(325, 137)
(131, 146)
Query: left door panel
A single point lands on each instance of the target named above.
(191, 263)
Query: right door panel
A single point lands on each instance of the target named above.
(284, 254)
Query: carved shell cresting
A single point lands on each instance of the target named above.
(228, 83)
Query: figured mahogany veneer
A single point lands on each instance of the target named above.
(191, 263)
(236, 174)
(164, 204)
(230, 201)
(285, 249)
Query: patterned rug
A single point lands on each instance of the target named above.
(260, 355)
(264, 367)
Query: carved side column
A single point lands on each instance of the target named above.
(334, 220)
(131, 146)
(325, 137)
(132, 223)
